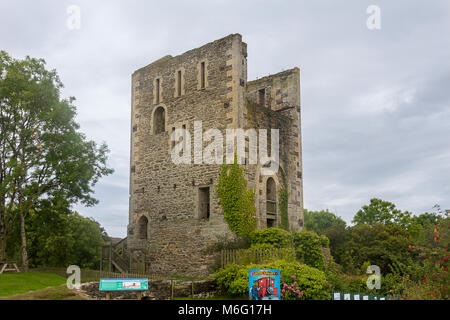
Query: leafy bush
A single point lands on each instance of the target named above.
(270, 237)
(390, 283)
(232, 281)
(308, 247)
(311, 282)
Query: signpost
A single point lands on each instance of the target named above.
(264, 284)
(109, 285)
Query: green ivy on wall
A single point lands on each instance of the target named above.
(238, 202)
(283, 203)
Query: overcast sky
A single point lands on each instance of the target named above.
(375, 103)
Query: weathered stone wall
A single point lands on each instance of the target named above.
(280, 109)
(168, 194)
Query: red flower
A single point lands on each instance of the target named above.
(410, 247)
(434, 294)
(425, 256)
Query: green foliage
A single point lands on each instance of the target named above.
(411, 251)
(433, 258)
(311, 282)
(326, 223)
(238, 202)
(308, 247)
(60, 240)
(75, 241)
(380, 244)
(270, 237)
(283, 203)
(321, 221)
(233, 280)
(379, 211)
(57, 173)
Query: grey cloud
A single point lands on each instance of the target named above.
(375, 104)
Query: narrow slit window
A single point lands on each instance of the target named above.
(157, 90)
(179, 83)
(202, 76)
(173, 137)
(184, 137)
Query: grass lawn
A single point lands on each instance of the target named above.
(24, 282)
(51, 293)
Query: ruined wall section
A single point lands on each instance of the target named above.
(278, 108)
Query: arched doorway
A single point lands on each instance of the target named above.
(271, 202)
(142, 228)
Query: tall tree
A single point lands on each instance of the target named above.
(380, 211)
(45, 159)
(320, 221)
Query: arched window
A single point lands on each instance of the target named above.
(159, 120)
(142, 227)
(271, 202)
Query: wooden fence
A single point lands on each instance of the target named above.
(262, 255)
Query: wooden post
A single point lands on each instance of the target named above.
(108, 296)
(130, 267)
(110, 257)
(171, 289)
(192, 289)
(139, 295)
(101, 258)
(3, 267)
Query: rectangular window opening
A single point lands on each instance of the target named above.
(204, 204)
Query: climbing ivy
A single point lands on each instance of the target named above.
(238, 202)
(283, 203)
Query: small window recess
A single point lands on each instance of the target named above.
(202, 75)
(203, 203)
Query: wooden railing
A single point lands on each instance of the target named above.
(271, 207)
(262, 255)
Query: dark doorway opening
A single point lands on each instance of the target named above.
(271, 202)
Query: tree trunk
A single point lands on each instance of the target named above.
(24, 243)
(2, 244)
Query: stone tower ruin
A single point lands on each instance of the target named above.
(174, 212)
